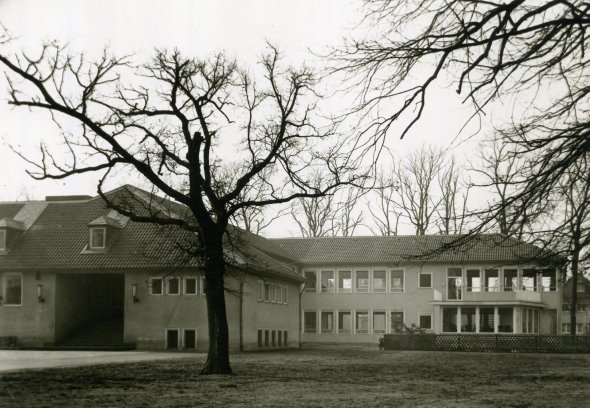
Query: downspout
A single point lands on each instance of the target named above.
(300, 327)
(241, 315)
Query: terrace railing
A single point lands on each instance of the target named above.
(515, 343)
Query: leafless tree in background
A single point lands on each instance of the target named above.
(165, 121)
(385, 210)
(452, 211)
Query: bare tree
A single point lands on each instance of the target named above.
(165, 121)
(385, 211)
(452, 211)
(487, 50)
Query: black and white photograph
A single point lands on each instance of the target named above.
(313, 203)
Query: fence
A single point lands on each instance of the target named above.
(515, 343)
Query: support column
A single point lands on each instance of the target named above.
(458, 320)
(477, 319)
(496, 318)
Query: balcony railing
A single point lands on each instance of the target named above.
(508, 296)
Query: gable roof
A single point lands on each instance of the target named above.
(410, 248)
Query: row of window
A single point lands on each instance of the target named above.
(580, 307)
(358, 321)
(174, 340)
(566, 328)
(488, 320)
(273, 338)
(361, 280)
(270, 292)
(191, 285)
(12, 289)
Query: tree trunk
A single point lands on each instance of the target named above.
(574, 300)
(218, 355)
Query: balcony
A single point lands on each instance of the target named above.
(507, 296)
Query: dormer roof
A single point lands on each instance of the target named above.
(12, 224)
(105, 221)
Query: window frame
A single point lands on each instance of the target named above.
(260, 290)
(363, 290)
(327, 271)
(344, 290)
(184, 285)
(5, 287)
(356, 321)
(420, 280)
(151, 285)
(3, 240)
(104, 238)
(313, 289)
(168, 279)
(202, 286)
(178, 338)
(285, 294)
(304, 321)
(420, 315)
(184, 330)
(403, 271)
(327, 311)
(379, 312)
(342, 331)
(384, 290)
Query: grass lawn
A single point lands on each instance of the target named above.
(321, 377)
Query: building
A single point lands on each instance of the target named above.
(582, 307)
(76, 274)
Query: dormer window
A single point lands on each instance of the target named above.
(2, 239)
(97, 238)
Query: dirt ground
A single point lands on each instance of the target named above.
(323, 377)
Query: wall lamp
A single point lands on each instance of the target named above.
(134, 292)
(40, 297)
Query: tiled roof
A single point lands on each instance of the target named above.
(57, 241)
(409, 248)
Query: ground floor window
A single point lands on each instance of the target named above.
(379, 322)
(12, 283)
(450, 319)
(362, 322)
(468, 322)
(309, 322)
(190, 339)
(344, 322)
(567, 327)
(506, 320)
(486, 320)
(478, 319)
(327, 322)
(397, 321)
(172, 339)
(530, 320)
(425, 321)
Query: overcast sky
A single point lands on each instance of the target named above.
(197, 28)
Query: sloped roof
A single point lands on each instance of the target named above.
(409, 248)
(57, 241)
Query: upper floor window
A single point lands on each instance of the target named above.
(13, 285)
(510, 280)
(173, 285)
(97, 238)
(548, 280)
(345, 281)
(327, 281)
(473, 280)
(156, 286)
(2, 239)
(361, 281)
(425, 280)
(529, 280)
(379, 281)
(397, 281)
(491, 280)
(580, 288)
(311, 277)
(190, 285)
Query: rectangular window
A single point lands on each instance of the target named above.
(97, 238)
(280, 338)
(273, 292)
(529, 280)
(13, 285)
(190, 285)
(362, 322)
(565, 307)
(344, 322)
(327, 322)
(173, 286)
(548, 280)
(266, 291)
(260, 337)
(266, 338)
(2, 240)
(397, 281)
(156, 286)
(566, 327)
(473, 280)
(425, 321)
(491, 280)
(203, 287)
(327, 279)
(379, 281)
(580, 288)
(172, 339)
(506, 320)
(455, 283)
(450, 319)
(379, 322)
(279, 291)
(425, 280)
(345, 281)
(260, 291)
(510, 280)
(190, 339)
(311, 281)
(274, 338)
(397, 321)
(486, 319)
(361, 283)
(309, 322)
(468, 320)
(285, 294)
(285, 338)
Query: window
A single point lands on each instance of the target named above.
(190, 339)
(510, 280)
(425, 280)
(580, 307)
(13, 285)
(274, 338)
(530, 320)
(473, 280)
(505, 320)
(361, 281)
(345, 281)
(566, 328)
(260, 337)
(2, 240)
(279, 290)
(344, 322)
(529, 280)
(261, 291)
(327, 322)
(565, 307)
(156, 286)
(379, 281)
(202, 288)
(548, 280)
(425, 321)
(491, 280)
(450, 319)
(379, 322)
(397, 321)
(455, 283)
(309, 322)
(362, 322)
(280, 338)
(190, 285)
(311, 281)
(266, 291)
(397, 281)
(172, 339)
(580, 288)
(285, 294)
(266, 338)
(285, 338)
(97, 238)
(173, 286)
(273, 292)
(468, 320)
(486, 319)
(327, 279)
